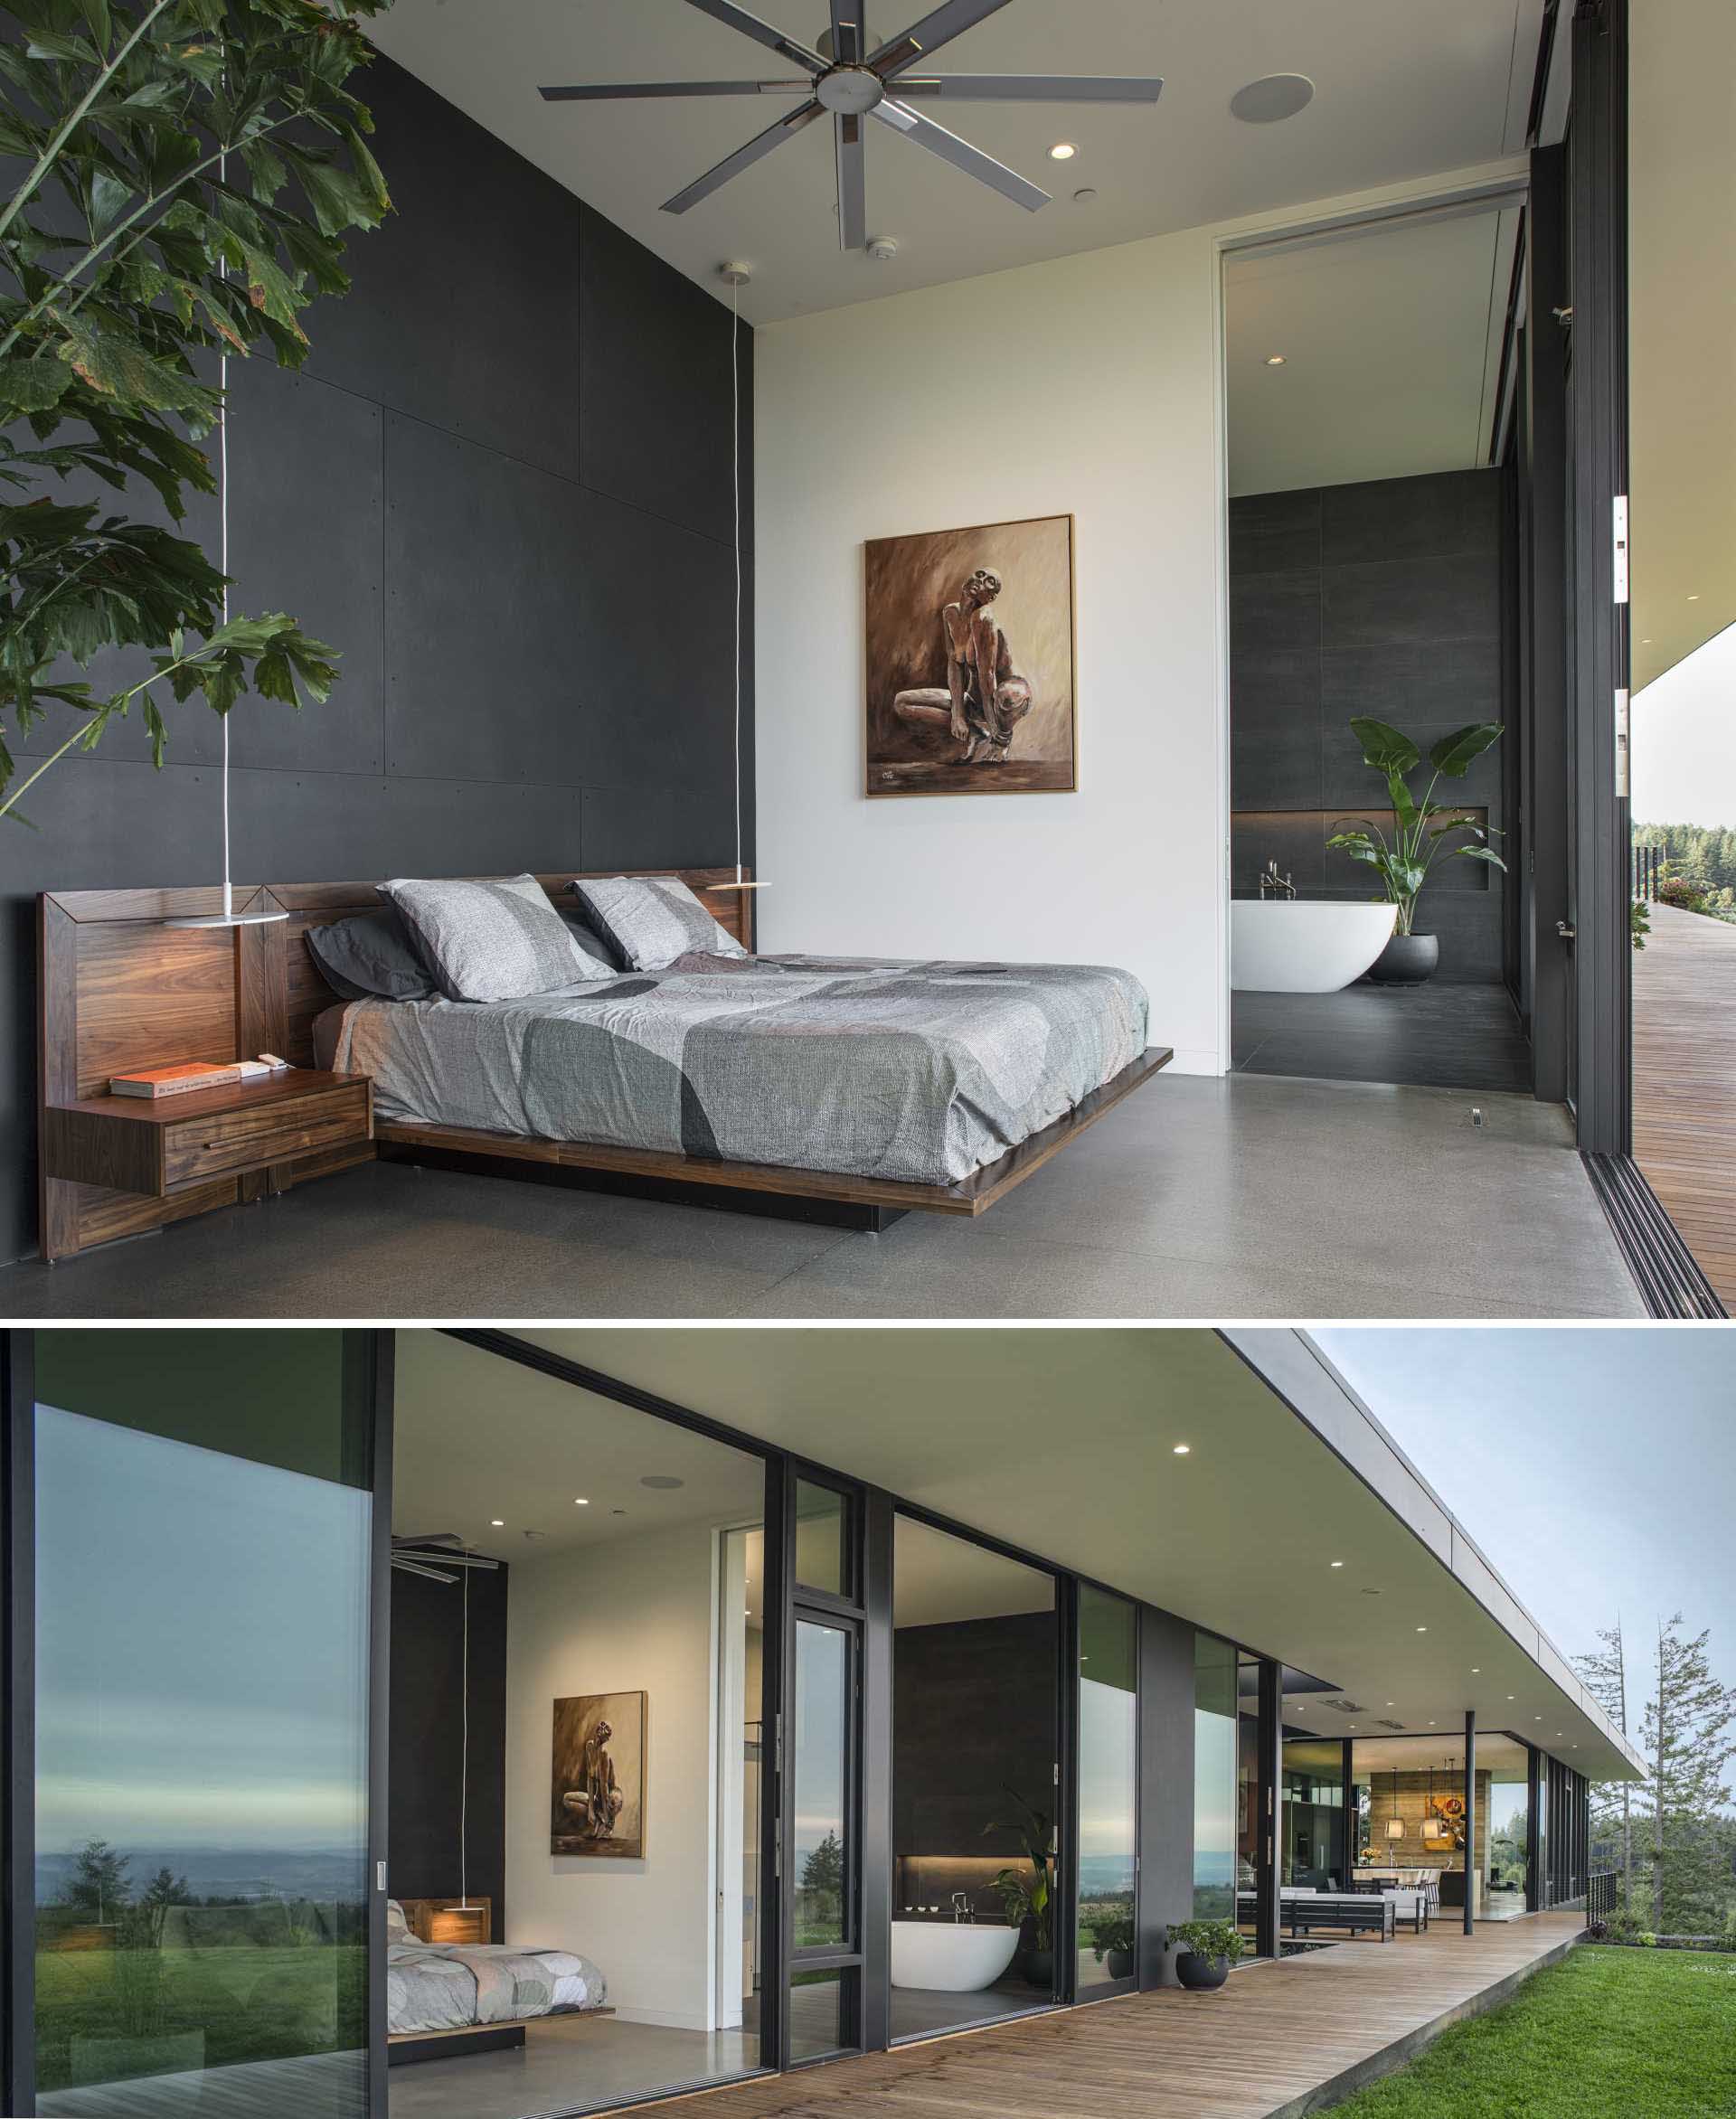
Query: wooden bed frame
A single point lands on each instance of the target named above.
(118, 989)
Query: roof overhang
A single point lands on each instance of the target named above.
(1063, 1444)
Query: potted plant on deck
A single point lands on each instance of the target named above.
(1420, 826)
(1205, 1950)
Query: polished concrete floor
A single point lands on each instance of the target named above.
(1248, 1196)
(1435, 1036)
(568, 2064)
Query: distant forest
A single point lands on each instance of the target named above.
(1702, 855)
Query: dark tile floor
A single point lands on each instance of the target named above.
(1435, 1036)
(1243, 1196)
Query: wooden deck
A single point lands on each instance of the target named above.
(1280, 2041)
(1685, 1083)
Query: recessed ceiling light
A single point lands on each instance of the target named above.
(1694, 598)
(1182, 1449)
(581, 1501)
(1274, 360)
(497, 1522)
(1336, 1563)
(1272, 98)
(1510, 1695)
(1422, 1629)
(1391, 1703)
(1536, 1717)
(1062, 151)
(1477, 1669)
(1646, 642)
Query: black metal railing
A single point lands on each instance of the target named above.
(1647, 873)
(1601, 1897)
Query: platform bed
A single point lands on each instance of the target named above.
(119, 989)
(824, 1196)
(404, 2046)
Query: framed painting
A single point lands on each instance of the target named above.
(596, 1794)
(971, 652)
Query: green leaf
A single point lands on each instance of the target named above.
(1384, 748)
(32, 386)
(1404, 804)
(1455, 754)
(1487, 853)
(110, 195)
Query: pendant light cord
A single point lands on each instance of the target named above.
(735, 437)
(463, 1762)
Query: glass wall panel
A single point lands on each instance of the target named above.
(202, 1538)
(1314, 1816)
(822, 2008)
(1248, 1804)
(821, 1538)
(1502, 1854)
(976, 1681)
(1214, 1778)
(1109, 1790)
(819, 1793)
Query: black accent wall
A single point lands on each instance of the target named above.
(972, 1715)
(427, 1740)
(503, 486)
(1382, 599)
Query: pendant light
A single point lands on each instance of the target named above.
(228, 917)
(735, 276)
(1395, 1824)
(463, 1905)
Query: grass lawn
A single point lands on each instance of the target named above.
(1629, 2032)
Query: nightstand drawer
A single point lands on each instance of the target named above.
(225, 1141)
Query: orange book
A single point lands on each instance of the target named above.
(175, 1081)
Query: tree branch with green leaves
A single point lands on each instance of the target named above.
(193, 169)
(1421, 827)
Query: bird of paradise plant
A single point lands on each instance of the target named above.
(1420, 824)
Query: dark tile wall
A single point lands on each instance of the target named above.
(1382, 599)
(427, 1752)
(502, 485)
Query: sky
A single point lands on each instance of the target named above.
(1683, 737)
(1595, 1467)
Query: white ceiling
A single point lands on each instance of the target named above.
(1403, 88)
(1682, 331)
(1391, 344)
(477, 1437)
(1063, 1443)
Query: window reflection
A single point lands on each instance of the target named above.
(1108, 1744)
(1214, 1778)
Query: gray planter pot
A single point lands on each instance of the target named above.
(1039, 1968)
(1407, 960)
(1119, 1963)
(1202, 1974)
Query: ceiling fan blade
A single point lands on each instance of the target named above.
(938, 140)
(927, 36)
(853, 181)
(402, 1538)
(1030, 88)
(412, 1566)
(622, 91)
(743, 158)
(763, 32)
(848, 42)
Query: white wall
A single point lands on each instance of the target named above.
(638, 1617)
(1090, 385)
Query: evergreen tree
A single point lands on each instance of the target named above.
(1690, 1740)
(1605, 1671)
(98, 1886)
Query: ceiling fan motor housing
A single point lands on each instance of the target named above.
(851, 91)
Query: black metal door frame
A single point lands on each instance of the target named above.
(1597, 435)
(18, 1788)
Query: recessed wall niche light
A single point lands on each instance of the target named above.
(1062, 151)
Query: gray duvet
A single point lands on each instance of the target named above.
(921, 1072)
(442, 1986)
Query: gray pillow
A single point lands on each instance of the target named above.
(371, 956)
(492, 941)
(653, 919)
(592, 943)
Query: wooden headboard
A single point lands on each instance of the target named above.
(116, 989)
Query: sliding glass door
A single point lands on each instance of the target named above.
(1108, 1792)
(204, 1589)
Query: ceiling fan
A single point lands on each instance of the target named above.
(432, 1553)
(854, 82)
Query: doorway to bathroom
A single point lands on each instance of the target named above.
(1375, 649)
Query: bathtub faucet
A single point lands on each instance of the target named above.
(1280, 886)
(962, 1908)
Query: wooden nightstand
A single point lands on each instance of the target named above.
(445, 1920)
(164, 1145)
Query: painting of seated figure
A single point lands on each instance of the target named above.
(970, 661)
(597, 1789)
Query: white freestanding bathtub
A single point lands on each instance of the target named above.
(1304, 945)
(952, 1957)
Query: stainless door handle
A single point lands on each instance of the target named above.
(1567, 933)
